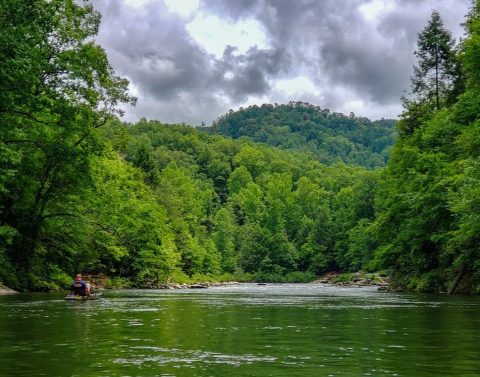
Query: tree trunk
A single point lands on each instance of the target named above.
(457, 280)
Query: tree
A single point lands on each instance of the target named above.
(224, 237)
(56, 89)
(470, 49)
(437, 68)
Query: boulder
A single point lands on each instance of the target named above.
(6, 291)
(198, 286)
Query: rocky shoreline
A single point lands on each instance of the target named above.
(356, 279)
(334, 279)
(196, 285)
(101, 282)
(4, 290)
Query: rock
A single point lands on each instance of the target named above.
(6, 291)
(382, 288)
(198, 286)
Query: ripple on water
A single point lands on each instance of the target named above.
(162, 356)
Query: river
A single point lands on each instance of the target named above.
(242, 330)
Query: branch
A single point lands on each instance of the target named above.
(26, 141)
(43, 217)
(33, 118)
(105, 228)
(66, 214)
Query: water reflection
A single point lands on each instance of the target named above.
(245, 330)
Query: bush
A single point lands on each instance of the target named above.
(300, 277)
(243, 277)
(269, 277)
(61, 280)
(432, 281)
(118, 283)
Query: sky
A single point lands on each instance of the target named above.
(190, 61)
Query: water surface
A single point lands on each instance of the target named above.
(244, 330)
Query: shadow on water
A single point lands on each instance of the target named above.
(244, 330)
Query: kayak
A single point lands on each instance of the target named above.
(80, 298)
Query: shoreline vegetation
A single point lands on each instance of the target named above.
(355, 279)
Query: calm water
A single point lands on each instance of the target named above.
(245, 330)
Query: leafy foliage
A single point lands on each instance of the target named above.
(437, 72)
(332, 137)
(427, 218)
(150, 203)
(57, 89)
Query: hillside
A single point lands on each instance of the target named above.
(332, 137)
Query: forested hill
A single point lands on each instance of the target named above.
(332, 137)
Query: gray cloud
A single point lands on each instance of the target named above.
(348, 57)
(172, 73)
(248, 73)
(338, 44)
(153, 49)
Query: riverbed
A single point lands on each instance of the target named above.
(241, 330)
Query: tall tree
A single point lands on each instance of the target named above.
(437, 70)
(56, 89)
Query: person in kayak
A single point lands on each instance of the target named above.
(80, 287)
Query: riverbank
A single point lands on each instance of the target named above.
(102, 282)
(356, 279)
(4, 290)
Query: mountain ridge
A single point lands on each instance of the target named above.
(333, 137)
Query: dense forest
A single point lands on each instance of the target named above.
(332, 137)
(151, 203)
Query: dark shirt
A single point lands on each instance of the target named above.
(79, 288)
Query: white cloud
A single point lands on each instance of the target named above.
(184, 8)
(215, 34)
(374, 9)
(296, 86)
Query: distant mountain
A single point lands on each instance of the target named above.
(332, 137)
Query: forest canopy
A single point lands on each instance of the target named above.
(331, 137)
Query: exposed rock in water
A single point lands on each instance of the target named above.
(198, 286)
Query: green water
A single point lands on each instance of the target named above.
(245, 330)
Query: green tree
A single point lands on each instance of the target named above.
(437, 70)
(224, 237)
(57, 89)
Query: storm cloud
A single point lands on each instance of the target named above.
(343, 55)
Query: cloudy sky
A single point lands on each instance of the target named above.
(193, 60)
